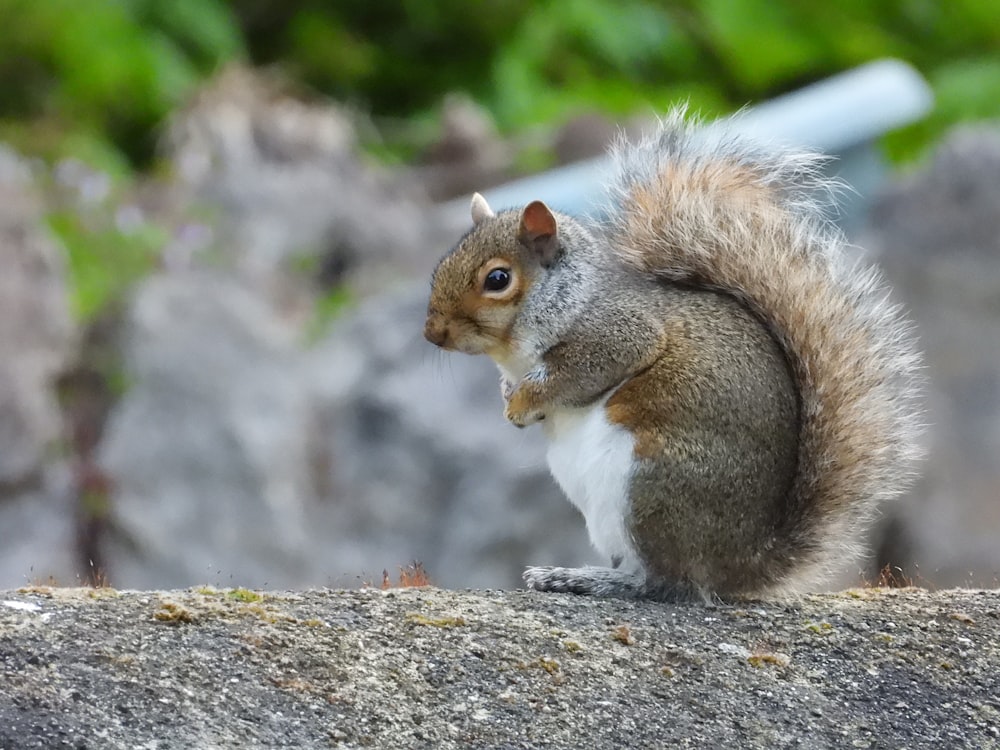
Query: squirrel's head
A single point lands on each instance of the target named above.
(477, 289)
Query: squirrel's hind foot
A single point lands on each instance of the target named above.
(589, 581)
(609, 583)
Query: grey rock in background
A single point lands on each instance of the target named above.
(37, 339)
(422, 463)
(241, 457)
(207, 447)
(468, 155)
(36, 329)
(284, 181)
(937, 234)
(38, 532)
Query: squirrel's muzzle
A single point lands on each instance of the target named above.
(436, 330)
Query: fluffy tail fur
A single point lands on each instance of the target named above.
(701, 206)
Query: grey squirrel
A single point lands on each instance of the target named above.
(726, 396)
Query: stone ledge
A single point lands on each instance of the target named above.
(404, 668)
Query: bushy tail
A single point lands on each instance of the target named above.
(703, 206)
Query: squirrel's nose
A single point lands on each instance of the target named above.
(435, 330)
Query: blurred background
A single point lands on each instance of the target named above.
(218, 220)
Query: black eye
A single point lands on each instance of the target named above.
(497, 280)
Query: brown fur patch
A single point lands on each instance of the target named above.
(645, 401)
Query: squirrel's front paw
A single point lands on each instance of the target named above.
(522, 417)
(522, 404)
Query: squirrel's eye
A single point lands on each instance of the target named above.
(496, 280)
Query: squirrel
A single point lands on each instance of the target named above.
(727, 397)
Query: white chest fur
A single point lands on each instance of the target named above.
(592, 461)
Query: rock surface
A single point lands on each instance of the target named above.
(428, 668)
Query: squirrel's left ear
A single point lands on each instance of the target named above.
(480, 209)
(538, 232)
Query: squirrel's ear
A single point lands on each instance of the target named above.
(480, 209)
(538, 232)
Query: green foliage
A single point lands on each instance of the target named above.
(964, 90)
(92, 77)
(328, 307)
(627, 55)
(92, 80)
(591, 54)
(110, 242)
(110, 69)
(395, 57)
(103, 259)
(245, 595)
(541, 62)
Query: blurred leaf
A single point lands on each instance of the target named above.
(577, 54)
(205, 31)
(327, 308)
(759, 41)
(965, 91)
(115, 67)
(102, 74)
(334, 56)
(104, 261)
(53, 142)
